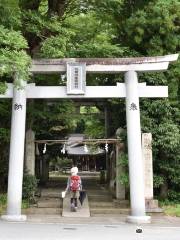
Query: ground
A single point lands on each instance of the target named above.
(61, 231)
(99, 226)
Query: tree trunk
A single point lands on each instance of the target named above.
(56, 7)
(29, 5)
(164, 190)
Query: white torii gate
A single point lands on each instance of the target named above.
(131, 90)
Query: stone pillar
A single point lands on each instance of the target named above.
(30, 152)
(150, 203)
(16, 158)
(136, 171)
(120, 188)
(148, 168)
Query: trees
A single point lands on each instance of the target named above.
(154, 30)
(150, 28)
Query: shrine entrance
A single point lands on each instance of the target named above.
(76, 69)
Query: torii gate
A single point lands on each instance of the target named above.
(131, 90)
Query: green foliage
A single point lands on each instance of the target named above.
(154, 29)
(12, 39)
(161, 118)
(157, 180)
(168, 137)
(14, 61)
(25, 204)
(94, 128)
(174, 196)
(3, 87)
(97, 41)
(3, 201)
(172, 210)
(4, 134)
(5, 118)
(13, 57)
(61, 162)
(89, 110)
(10, 14)
(124, 177)
(29, 187)
(53, 116)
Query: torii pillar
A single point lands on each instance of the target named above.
(16, 158)
(136, 170)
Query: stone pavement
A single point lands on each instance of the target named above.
(157, 220)
(82, 211)
(96, 228)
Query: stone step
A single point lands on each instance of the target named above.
(98, 192)
(121, 203)
(43, 211)
(100, 198)
(49, 203)
(82, 211)
(113, 211)
(51, 193)
(103, 204)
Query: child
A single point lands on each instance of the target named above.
(74, 185)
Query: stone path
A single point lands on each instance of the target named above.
(82, 211)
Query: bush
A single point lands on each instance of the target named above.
(29, 187)
(60, 163)
(174, 196)
(3, 201)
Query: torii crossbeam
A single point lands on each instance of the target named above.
(131, 90)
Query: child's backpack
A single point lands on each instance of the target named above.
(75, 183)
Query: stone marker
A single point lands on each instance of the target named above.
(150, 203)
(148, 164)
(30, 152)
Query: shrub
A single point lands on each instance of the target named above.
(174, 196)
(3, 201)
(29, 187)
